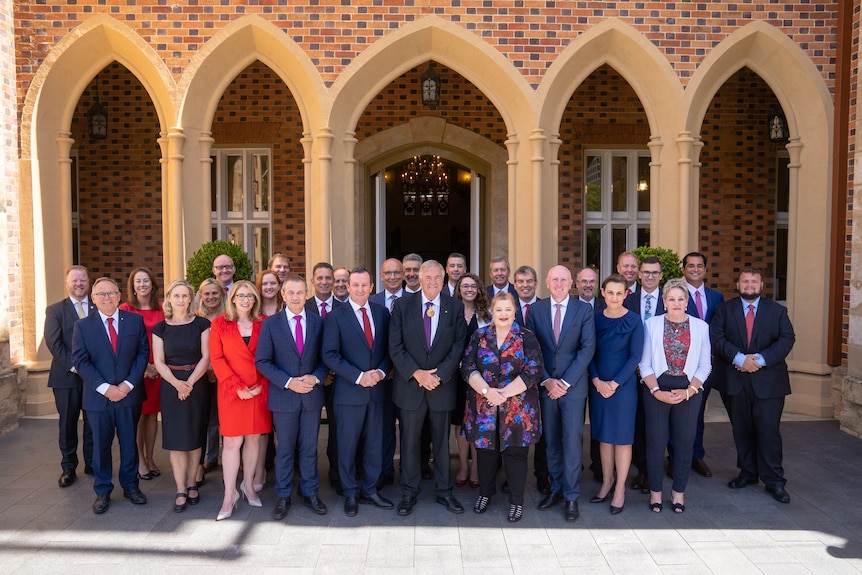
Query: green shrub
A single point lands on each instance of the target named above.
(670, 262)
(200, 266)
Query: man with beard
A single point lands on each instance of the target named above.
(411, 263)
(751, 337)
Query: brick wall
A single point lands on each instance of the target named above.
(258, 106)
(119, 179)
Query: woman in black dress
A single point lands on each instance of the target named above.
(181, 355)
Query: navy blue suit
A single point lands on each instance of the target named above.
(331, 443)
(509, 288)
(568, 360)
(97, 364)
(359, 410)
(60, 320)
(295, 416)
(390, 413)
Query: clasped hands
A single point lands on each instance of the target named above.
(750, 364)
(249, 392)
(427, 378)
(555, 388)
(605, 388)
(118, 392)
(302, 384)
(370, 378)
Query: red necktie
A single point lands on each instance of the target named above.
(526, 311)
(225, 289)
(112, 333)
(749, 322)
(366, 326)
(628, 292)
(323, 309)
(300, 344)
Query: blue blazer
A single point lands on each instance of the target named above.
(60, 320)
(569, 359)
(713, 300)
(409, 352)
(509, 287)
(96, 363)
(277, 359)
(311, 307)
(346, 353)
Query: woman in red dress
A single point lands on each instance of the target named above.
(242, 391)
(142, 297)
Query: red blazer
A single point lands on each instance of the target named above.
(233, 360)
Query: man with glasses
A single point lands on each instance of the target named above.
(223, 270)
(63, 379)
(110, 351)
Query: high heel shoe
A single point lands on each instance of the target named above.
(258, 487)
(598, 499)
(460, 482)
(251, 502)
(193, 500)
(474, 484)
(226, 514)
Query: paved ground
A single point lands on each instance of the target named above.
(46, 529)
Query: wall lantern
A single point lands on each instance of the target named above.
(97, 120)
(430, 87)
(777, 126)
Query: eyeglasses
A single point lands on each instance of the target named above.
(105, 295)
(223, 268)
(651, 274)
(468, 287)
(245, 296)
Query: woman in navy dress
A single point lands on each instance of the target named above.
(614, 389)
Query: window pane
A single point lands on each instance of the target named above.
(593, 181)
(261, 247)
(619, 183)
(260, 183)
(233, 183)
(233, 234)
(594, 248)
(643, 237)
(213, 183)
(643, 185)
(781, 264)
(619, 242)
(783, 183)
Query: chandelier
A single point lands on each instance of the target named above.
(425, 181)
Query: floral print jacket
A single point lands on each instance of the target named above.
(518, 419)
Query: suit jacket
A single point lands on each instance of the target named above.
(772, 337)
(409, 352)
(569, 359)
(346, 353)
(60, 320)
(509, 287)
(278, 359)
(233, 361)
(519, 315)
(713, 300)
(311, 306)
(381, 298)
(96, 363)
(633, 303)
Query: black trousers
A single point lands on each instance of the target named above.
(68, 402)
(515, 463)
(663, 420)
(411, 432)
(755, 423)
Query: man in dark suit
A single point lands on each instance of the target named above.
(410, 264)
(499, 271)
(355, 346)
(627, 266)
(566, 332)
(110, 351)
(289, 356)
(702, 303)
(456, 266)
(340, 279)
(63, 379)
(587, 282)
(426, 341)
(646, 301)
(392, 277)
(751, 338)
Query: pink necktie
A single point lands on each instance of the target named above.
(366, 326)
(557, 321)
(300, 344)
(112, 333)
(749, 322)
(698, 303)
(323, 309)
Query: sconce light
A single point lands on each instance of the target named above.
(778, 131)
(97, 119)
(430, 87)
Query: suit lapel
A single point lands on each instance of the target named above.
(288, 333)
(442, 321)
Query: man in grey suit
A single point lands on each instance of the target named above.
(63, 379)
(566, 332)
(426, 341)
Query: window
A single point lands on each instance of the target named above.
(240, 199)
(76, 218)
(616, 188)
(782, 205)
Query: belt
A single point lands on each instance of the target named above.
(182, 367)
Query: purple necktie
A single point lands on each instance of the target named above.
(698, 303)
(323, 309)
(427, 320)
(558, 317)
(300, 344)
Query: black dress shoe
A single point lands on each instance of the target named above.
(314, 503)
(100, 505)
(543, 485)
(406, 505)
(376, 500)
(88, 470)
(351, 507)
(550, 500)
(135, 495)
(572, 512)
(700, 466)
(281, 508)
(427, 472)
(740, 482)
(638, 481)
(450, 503)
(67, 479)
(779, 494)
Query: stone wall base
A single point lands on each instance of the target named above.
(13, 395)
(850, 417)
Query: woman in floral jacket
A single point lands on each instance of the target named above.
(502, 364)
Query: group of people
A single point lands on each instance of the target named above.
(435, 350)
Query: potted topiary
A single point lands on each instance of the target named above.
(200, 266)
(670, 262)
